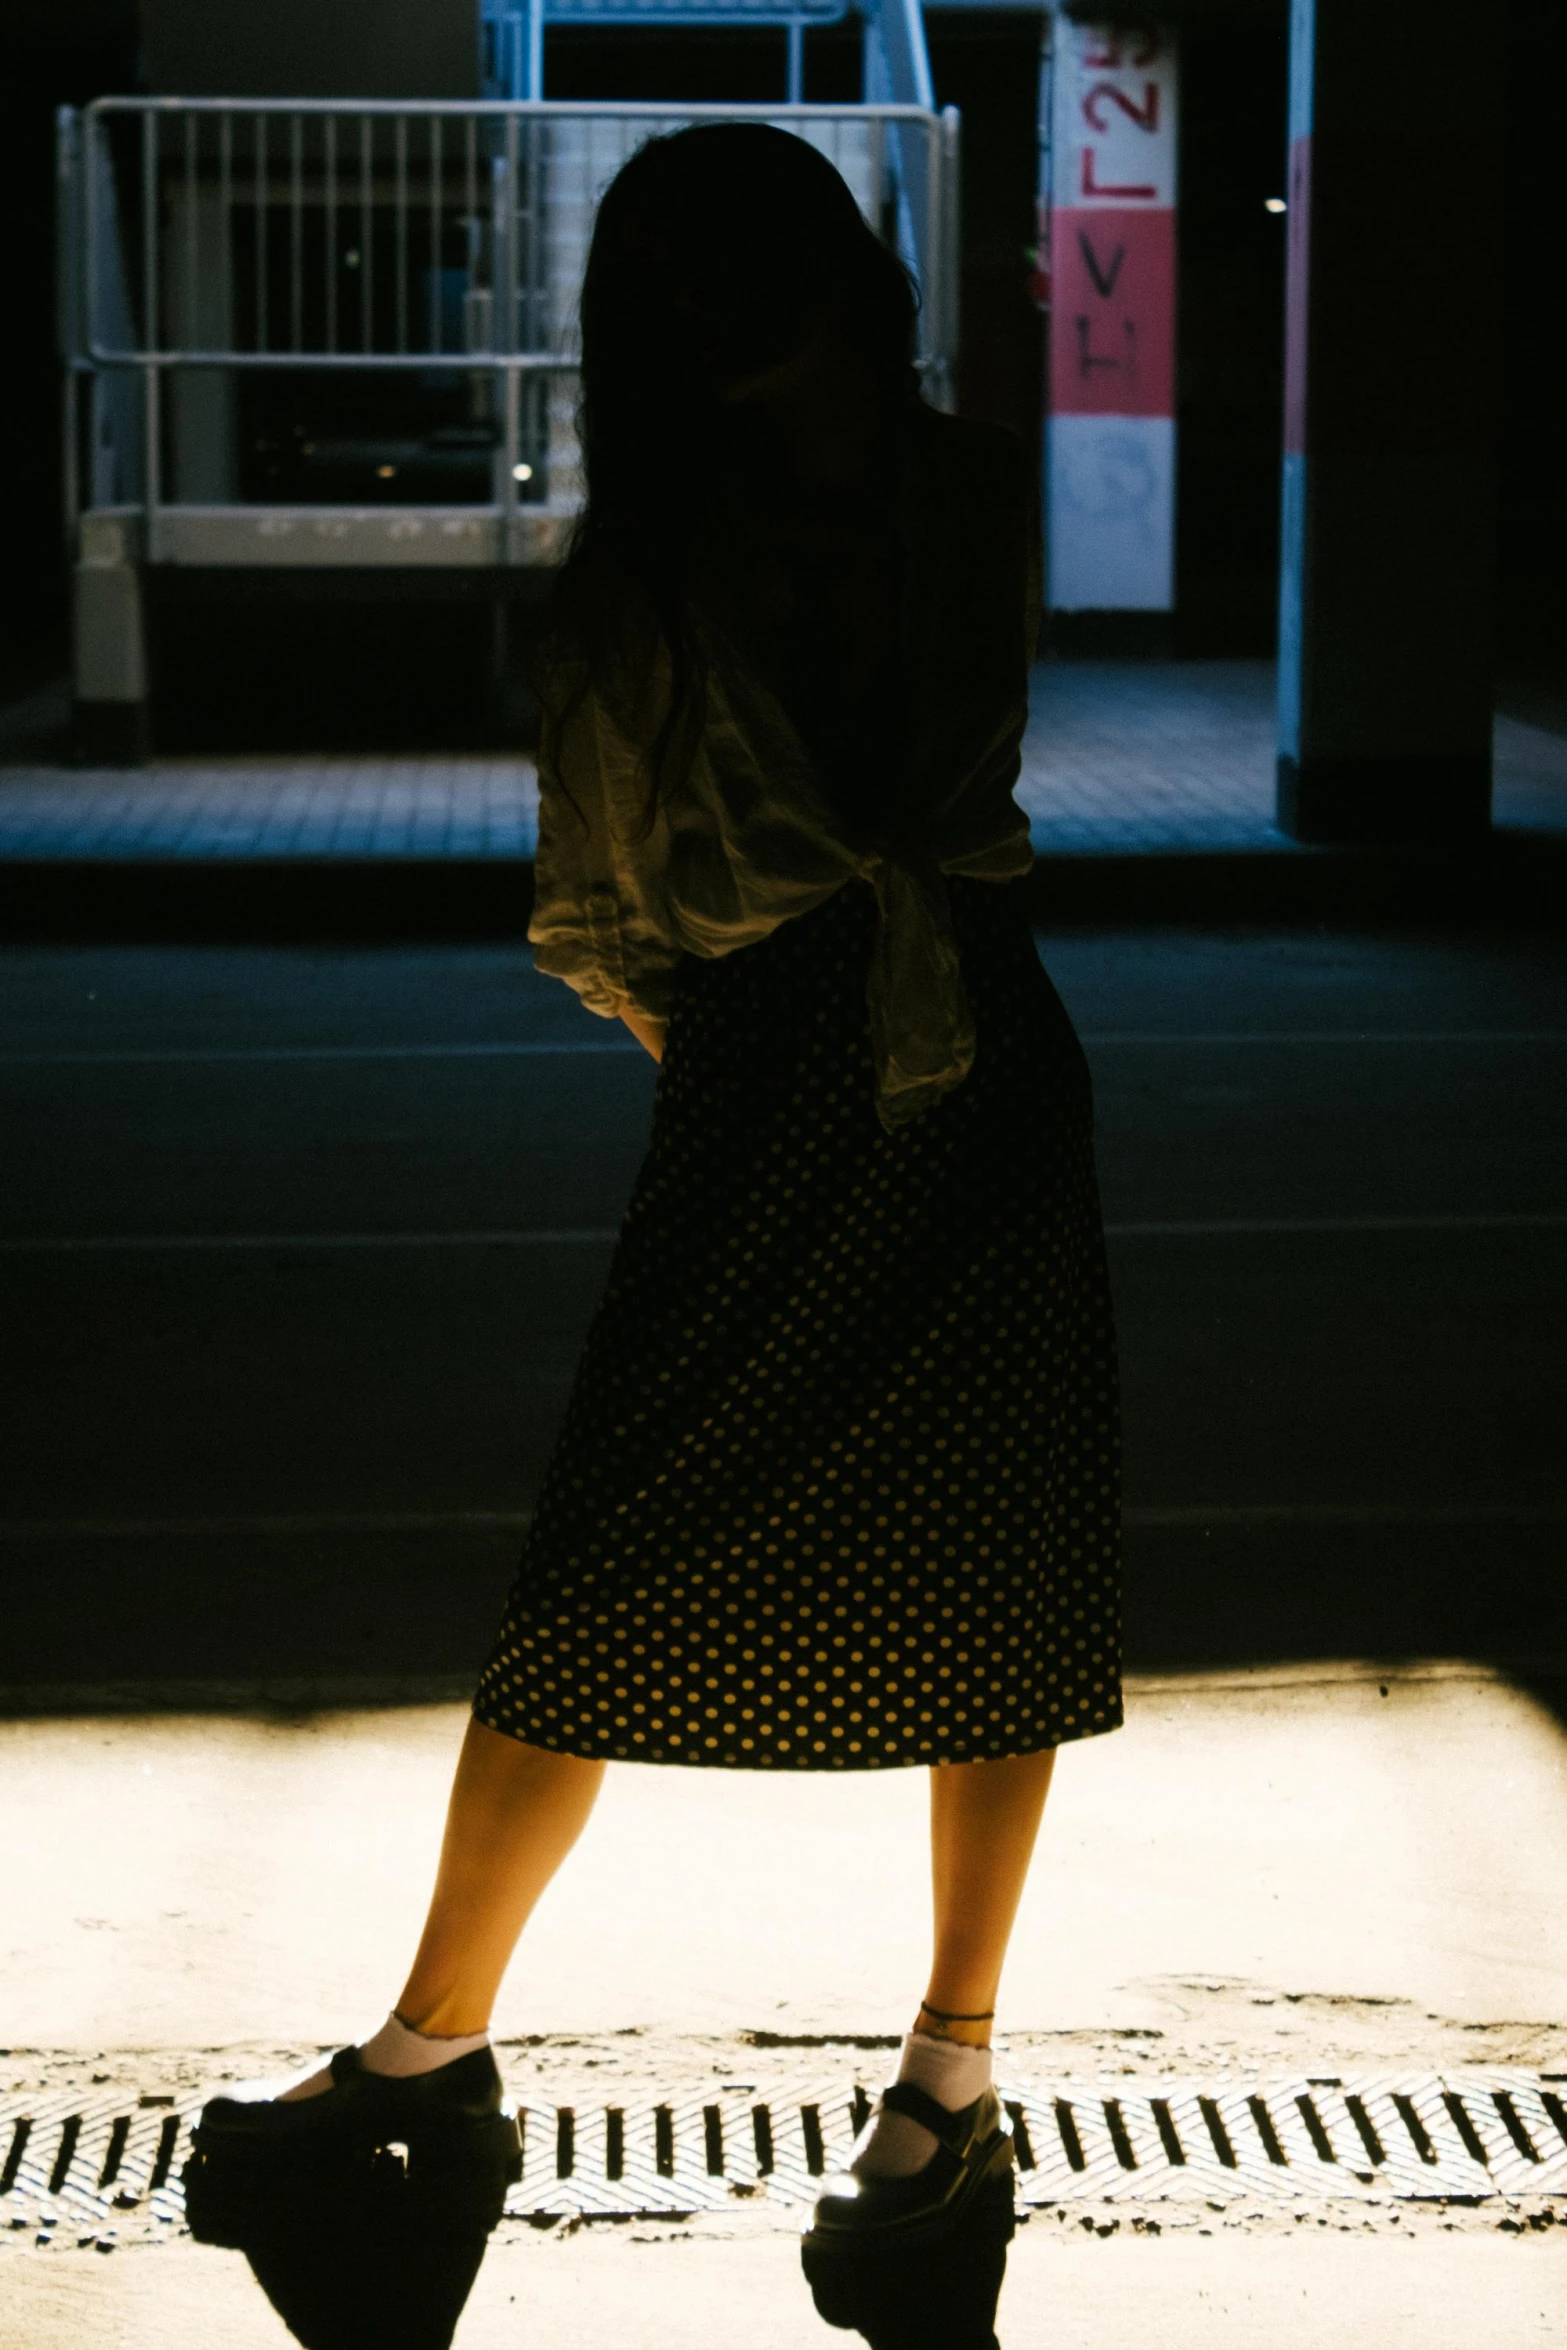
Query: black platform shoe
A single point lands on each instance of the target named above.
(916, 2263)
(364, 2211)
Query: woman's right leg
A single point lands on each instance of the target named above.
(426, 2079)
(515, 1813)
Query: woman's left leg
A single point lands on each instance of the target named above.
(912, 2245)
(984, 1818)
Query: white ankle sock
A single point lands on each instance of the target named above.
(948, 2071)
(398, 2052)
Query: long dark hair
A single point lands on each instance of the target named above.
(716, 252)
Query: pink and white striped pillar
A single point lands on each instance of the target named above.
(1110, 430)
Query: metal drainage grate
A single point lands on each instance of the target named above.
(76, 2170)
(1466, 2136)
(86, 2170)
(1472, 2136)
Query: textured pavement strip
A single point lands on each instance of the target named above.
(1146, 759)
(1119, 756)
(187, 809)
(1485, 2147)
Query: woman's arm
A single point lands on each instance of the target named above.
(647, 1031)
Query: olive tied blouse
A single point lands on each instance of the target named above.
(751, 835)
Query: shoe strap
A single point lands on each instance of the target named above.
(918, 2105)
(345, 2066)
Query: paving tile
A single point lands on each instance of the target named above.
(1120, 758)
(1128, 757)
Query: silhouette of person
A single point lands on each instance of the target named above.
(836, 1484)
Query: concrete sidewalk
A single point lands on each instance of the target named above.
(1121, 758)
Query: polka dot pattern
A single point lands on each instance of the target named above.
(837, 1482)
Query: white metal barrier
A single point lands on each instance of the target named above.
(209, 243)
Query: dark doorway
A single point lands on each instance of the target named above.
(713, 67)
(986, 63)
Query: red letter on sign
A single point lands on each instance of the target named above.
(1091, 186)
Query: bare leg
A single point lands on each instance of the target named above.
(515, 1813)
(983, 1821)
(984, 1818)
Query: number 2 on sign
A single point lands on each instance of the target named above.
(1145, 116)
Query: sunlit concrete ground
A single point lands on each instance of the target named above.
(1286, 1871)
(1120, 757)
(593, 2293)
(1246, 1843)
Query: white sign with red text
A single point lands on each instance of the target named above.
(1110, 430)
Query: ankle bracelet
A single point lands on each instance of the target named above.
(420, 2034)
(985, 2015)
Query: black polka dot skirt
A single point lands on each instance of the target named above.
(836, 1486)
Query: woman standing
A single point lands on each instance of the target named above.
(836, 1485)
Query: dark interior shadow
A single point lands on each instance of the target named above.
(1546, 1684)
(349, 2249)
(343, 2292)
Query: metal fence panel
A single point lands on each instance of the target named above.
(207, 241)
(287, 233)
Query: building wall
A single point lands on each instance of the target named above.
(1533, 265)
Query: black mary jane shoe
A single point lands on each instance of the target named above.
(916, 2263)
(364, 2212)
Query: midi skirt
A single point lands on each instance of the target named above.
(836, 1487)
